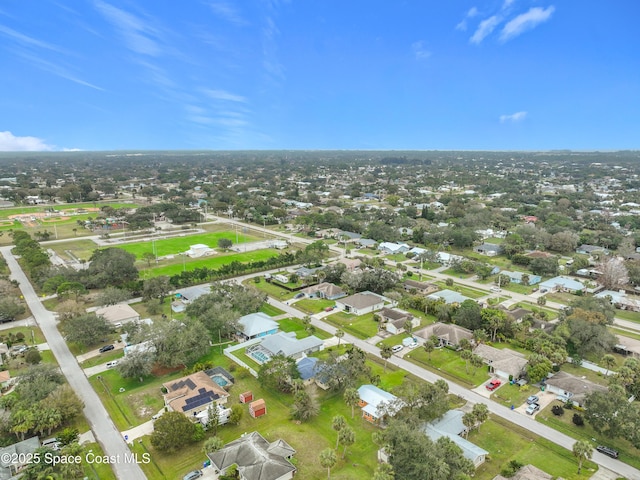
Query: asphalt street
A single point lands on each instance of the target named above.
(101, 425)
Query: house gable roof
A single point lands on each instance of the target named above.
(362, 300)
(193, 391)
(256, 458)
(288, 345)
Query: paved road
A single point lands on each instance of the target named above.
(495, 408)
(103, 428)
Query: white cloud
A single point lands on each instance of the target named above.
(420, 51)
(462, 26)
(224, 95)
(227, 12)
(485, 28)
(507, 3)
(526, 21)
(135, 32)
(10, 143)
(513, 118)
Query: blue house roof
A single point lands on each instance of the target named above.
(307, 366)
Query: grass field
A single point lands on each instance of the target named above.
(362, 326)
(63, 208)
(447, 363)
(506, 441)
(177, 265)
(176, 245)
(312, 306)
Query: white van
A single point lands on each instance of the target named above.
(495, 289)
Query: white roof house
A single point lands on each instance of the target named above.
(562, 284)
(389, 247)
(449, 296)
(451, 426)
(256, 325)
(376, 403)
(288, 345)
(199, 250)
(118, 314)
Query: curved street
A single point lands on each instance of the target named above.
(102, 427)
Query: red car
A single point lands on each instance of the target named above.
(493, 384)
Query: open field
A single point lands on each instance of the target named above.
(184, 263)
(448, 364)
(362, 326)
(176, 245)
(66, 208)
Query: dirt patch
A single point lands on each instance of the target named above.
(159, 371)
(145, 404)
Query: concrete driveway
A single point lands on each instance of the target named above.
(545, 398)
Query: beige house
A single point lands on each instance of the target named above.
(424, 288)
(528, 472)
(394, 320)
(193, 394)
(361, 303)
(571, 388)
(119, 314)
(504, 363)
(448, 334)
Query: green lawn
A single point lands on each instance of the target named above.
(96, 470)
(64, 209)
(176, 245)
(453, 273)
(31, 335)
(307, 438)
(564, 424)
(296, 325)
(590, 375)
(270, 310)
(102, 358)
(270, 289)
(312, 306)
(179, 264)
(359, 326)
(463, 290)
(627, 315)
(509, 394)
(506, 441)
(447, 363)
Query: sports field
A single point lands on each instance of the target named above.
(176, 265)
(64, 209)
(176, 245)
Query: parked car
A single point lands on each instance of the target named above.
(52, 443)
(106, 348)
(396, 348)
(192, 475)
(532, 399)
(112, 364)
(533, 408)
(493, 384)
(298, 295)
(607, 451)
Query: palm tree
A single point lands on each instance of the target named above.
(464, 344)
(466, 356)
(328, 459)
(481, 412)
(468, 420)
(582, 450)
(339, 334)
(480, 336)
(347, 437)
(338, 423)
(383, 472)
(608, 361)
(429, 347)
(351, 398)
(385, 352)
(476, 362)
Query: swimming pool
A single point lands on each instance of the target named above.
(260, 357)
(220, 380)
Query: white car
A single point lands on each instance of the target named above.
(112, 364)
(396, 348)
(533, 408)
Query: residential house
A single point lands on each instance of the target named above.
(627, 346)
(488, 249)
(193, 394)
(256, 458)
(324, 290)
(345, 236)
(446, 259)
(286, 343)
(307, 368)
(350, 263)
(366, 242)
(620, 300)
(448, 334)
(449, 296)
(376, 404)
(119, 314)
(328, 233)
(394, 320)
(450, 425)
(504, 363)
(393, 248)
(561, 284)
(16, 457)
(5, 382)
(361, 303)
(516, 277)
(256, 325)
(570, 388)
(184, 296)
(424, 288)
(591, 249)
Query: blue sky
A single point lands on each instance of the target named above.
(319, 74)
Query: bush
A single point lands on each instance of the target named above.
(510, 469)
(577, 419)
(557, 410)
